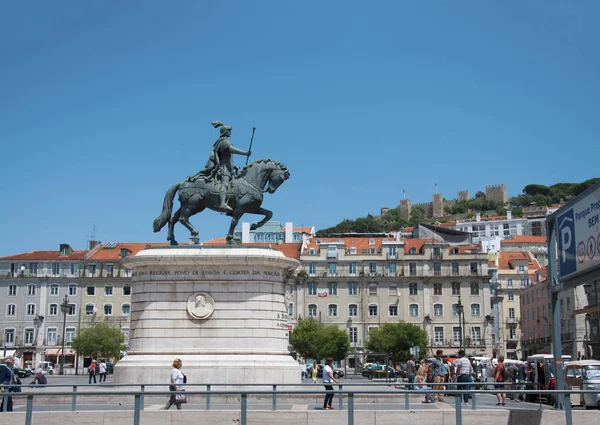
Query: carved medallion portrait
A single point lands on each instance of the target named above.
(200, 305)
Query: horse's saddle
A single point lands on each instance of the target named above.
(211, 186)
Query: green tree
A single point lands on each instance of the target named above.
(396, 339)
(100, 340)
(314, 340)
(480, 196)
(536, 189)
(417, 214)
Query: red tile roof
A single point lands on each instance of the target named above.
(506, 258)
(515, 239)
(357, 242)
(482, 218)
(45, 256)
(105, 253)
(306, 229)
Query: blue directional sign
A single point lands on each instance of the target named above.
(578, 227)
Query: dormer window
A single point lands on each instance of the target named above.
(125, 252)
(371, 241)
(412, 250)
(353, 250)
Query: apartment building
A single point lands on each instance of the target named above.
(360, 282)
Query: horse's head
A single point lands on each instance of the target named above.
(278, 175)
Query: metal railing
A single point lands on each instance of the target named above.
(276, 390)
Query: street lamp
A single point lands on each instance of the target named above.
(37, 322)
(460, 309)
(64, 308)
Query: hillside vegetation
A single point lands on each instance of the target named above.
(532, 194)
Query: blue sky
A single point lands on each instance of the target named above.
(105, 105)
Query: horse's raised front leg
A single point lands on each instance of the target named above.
(267, 213)
(235, 218)
(172, 221)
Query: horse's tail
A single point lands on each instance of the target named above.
(167, 210)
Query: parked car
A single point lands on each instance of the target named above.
(21, 373)
(337, 373)
(380, 371)
(584, 375)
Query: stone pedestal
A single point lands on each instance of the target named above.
(221, 310)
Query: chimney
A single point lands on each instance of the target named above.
(289, 232)
(94, 244)
(245, 232)
(509, 215)
(478, 217)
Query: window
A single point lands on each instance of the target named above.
(332, 288)
(312, 289)
(372, 290)
(393, 290)
(455, 309)
(456, 335)
(511, 296)
(352, 269)
(413, 288)
(312, 269)
(312, 310)
(353, 250)
(52, 309)
(332, 269)
(393, 310)
(33, 269)
(473, 268)
(332, 251)
(438, 310)
(455, 288)
(126, 310)
(89, 309)
(521, 269)
(11, 310)
(353, 310)
(412, 269)
(413, 310)
(437, 289)
(28, 336)
(126, 290)
(290, 310)
(524, 285)
(371, 250)
(108, 309)
(108, 290)
(72, 310)
(30, 309)
(412, 250)
(372, 267)
(92, 270)
(332, 310)
(31, 289)
(55, 269)
(75, 269)
(511, 313)
(51, 336)
(372, 309)
(437, 269)
(476, 335)
(475, 310)
(509, 283)
(259, 237)
(392, 268)
(512, 332)
(438, 333)
(12, 290)
(437, 252)
(352, 289)
(392, 251)
(54, 289)
(72, 290)
(353, 332)
(455, 269)
(70, 334)
(474, 288)
(90, 290)
(9, 336)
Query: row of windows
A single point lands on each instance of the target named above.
(31, 290)
(438, 334)
(10, 336)
(392, 267)
(530, 297)
(373, 310)
(413, 289)
(54, 309)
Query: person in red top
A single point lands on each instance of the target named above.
(499, 380)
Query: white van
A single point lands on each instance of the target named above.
(543, 373)
(46, 367)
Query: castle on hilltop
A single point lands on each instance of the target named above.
(435, 208)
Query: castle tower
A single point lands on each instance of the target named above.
(405, 209)
(496, 193)
(463, 195)
(437, 205)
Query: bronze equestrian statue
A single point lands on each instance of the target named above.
(220, 187)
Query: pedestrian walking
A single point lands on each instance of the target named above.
(411, 371)
(7, 377)
(314, 372)
(92, 372)
(102, 371)
(327, 380)
(464, 373)
(177, 379)
(303, 368)
(499, 372)
(439, 374)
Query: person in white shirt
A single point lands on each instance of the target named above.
(464, 372)
(102, 371)
(176, 384)
(327, 380)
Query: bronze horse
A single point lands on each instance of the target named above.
(245, 195)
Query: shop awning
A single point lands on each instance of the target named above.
(58, 351)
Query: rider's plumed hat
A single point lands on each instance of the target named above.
(224, 128)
